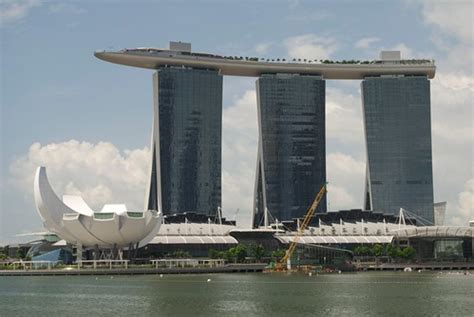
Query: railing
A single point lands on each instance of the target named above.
(182, 263)
(35, 265)
(102, 264)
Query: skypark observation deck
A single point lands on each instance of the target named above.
(253, 67)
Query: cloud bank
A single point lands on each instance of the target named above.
(99, 172)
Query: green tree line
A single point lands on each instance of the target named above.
(394, 252)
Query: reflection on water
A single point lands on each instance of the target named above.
(367, 294)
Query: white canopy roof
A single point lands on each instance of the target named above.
(193, 240)
(335, 239)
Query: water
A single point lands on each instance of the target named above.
(355, 294)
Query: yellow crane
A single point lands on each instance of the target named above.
(281, 266)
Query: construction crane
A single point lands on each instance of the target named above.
(281, 266)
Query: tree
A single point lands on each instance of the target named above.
(257, 251)
(215, 254)
(408, 253)
(20, 253)
(357, 250)
(240, 252)
(278, 254)
(393, 252)
(362, 250)
(3, 255)
(236, 254)
(179, 254)
(377, 250)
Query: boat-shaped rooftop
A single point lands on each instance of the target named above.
(180, 54)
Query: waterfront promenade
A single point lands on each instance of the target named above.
(227, 268)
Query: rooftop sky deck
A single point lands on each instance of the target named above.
(254, 67)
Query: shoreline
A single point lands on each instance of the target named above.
(231, 268)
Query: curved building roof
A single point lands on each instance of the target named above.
(435, 232)
(155, 58)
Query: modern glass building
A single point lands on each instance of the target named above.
(291, 163)
(398, 141)
(186, 141)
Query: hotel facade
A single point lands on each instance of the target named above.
(185, 173)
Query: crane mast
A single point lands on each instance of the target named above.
(303, 226)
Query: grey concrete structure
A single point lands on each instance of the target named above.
(186, 141)
(398, 140)
(291, 164)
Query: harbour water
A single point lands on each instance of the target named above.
(354, 294)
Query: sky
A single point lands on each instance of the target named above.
(89, 121)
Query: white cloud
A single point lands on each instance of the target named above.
(345, 176)
(452, 18)
(453, 32)
(62, 7)
(239, 155)
(453, 139)
(102, 174)
(405, 51)
(308, 17)
(310, 46)
(466, 200)
(262, 48)
(452, 94)
(464, 207)
(366, 42)
(344, 123)
(15, 10)
(99, 172)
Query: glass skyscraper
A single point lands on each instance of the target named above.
(186, 141)
(291, 163)
(398, 141)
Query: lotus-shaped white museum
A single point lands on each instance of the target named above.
(74, 221)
